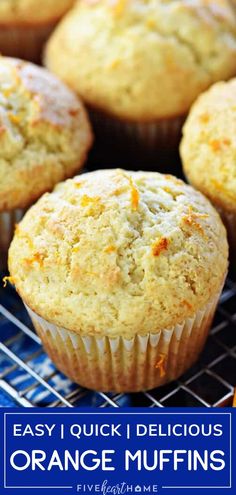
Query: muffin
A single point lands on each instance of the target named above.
(140, 64)
(121, 273)
(208, 150)
(44, 138)
(25, 25)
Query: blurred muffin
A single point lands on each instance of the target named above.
(25, 25)
(140, 64)
(44, 138)
(121, 273)
(208, 150)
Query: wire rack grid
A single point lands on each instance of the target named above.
(28, 378)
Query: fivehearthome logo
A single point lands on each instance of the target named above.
(118, 489)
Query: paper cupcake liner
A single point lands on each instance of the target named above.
(229, 220)
(25, 42)
(8, 221)
(122, 365)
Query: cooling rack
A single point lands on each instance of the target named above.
(28, 378)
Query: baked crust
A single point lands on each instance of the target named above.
(44, 133)
(144, 60)
(118, 253)
(208, 147)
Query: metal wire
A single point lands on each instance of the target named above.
(210, 382)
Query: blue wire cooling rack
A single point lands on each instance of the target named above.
(28, 378)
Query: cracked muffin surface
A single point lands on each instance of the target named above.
(114, 252)
(44, 133)
(115, 53)
(208, 147)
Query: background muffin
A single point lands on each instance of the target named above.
(140, 64)
(44, 138)
(121, 273)
(26, 24)
(208, 150)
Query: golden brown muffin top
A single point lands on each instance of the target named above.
(208, 148)
(115, 253)
(142, 60)
(44, 133)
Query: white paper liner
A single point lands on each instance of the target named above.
(8, 221)
(163, 133)
(122, 365)
(25, 42)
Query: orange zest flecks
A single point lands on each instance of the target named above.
(173, 179)
(110, 249)
(36, 258)
(115, 63)
(187, 304)
(191, 220)
(75, 249)
(134, 194)
(77, 185)
(6, 280)
(7, 92)
(134, 197)
(160, 365)
(118, 7)
(88, 200)
(204, 118)
(150, 23)
(218, 144)
(118, 191)
(24, 235)
(73, 112)
(159, 246)
(234, 399)
(15, 119)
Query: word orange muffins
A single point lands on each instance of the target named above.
(44, 138)
(121, 273)
(25, 25)
(140, 64)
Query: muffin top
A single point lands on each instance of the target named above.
(208, 148)
(44, 133)
(32, 11)
(144, 59)
(115, 252)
